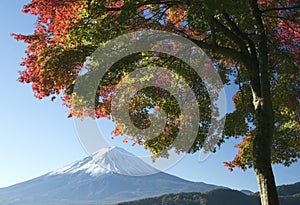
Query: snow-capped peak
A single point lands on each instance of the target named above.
(108, 160)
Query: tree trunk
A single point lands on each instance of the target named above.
(263, 139)
(267, 188)
(262, 146)
(262, 101)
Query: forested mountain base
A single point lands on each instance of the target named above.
(288, 195)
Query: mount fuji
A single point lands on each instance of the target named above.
(109, 176)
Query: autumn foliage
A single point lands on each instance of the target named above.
(68, 31)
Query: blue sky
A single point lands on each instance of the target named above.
(36, 136)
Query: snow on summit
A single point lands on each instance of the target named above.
(109, 160)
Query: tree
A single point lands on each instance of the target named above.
(256, 43)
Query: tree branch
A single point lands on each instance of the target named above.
(224, 51)
(231, 35)
(280, 9)
(239, 33)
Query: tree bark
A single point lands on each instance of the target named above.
(263, 137)
(262, 101)
(267, 188)
(264, 128)
(262, 147)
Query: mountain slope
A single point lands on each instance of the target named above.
(288, 190)
(215, 197)
(288, 195)
(109, 160)
(98, 180)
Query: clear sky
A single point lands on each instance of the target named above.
(36, 136)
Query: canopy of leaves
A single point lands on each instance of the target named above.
(67, 32)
